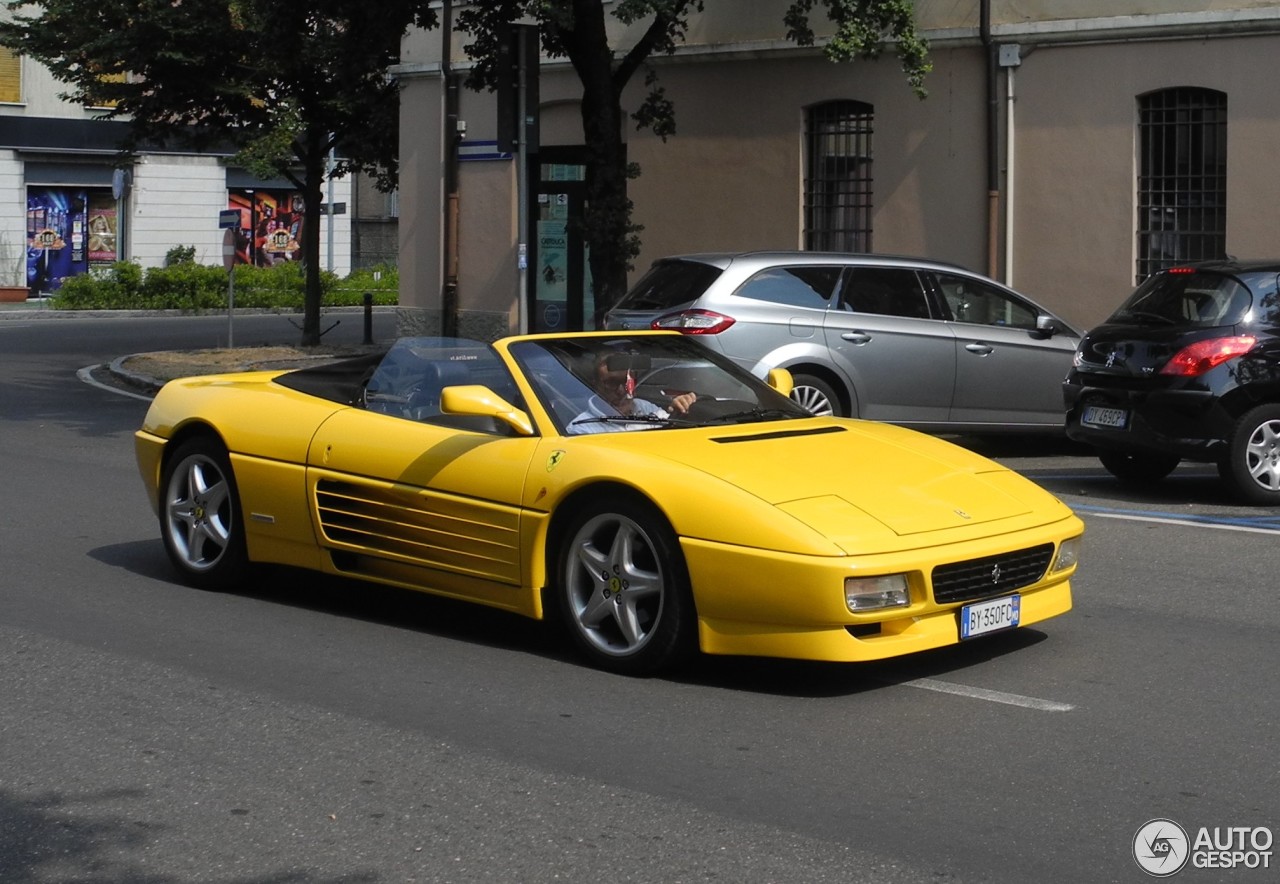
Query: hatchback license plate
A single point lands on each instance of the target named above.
(990, 616)
(1111, 418)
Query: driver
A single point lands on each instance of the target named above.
(614, 381)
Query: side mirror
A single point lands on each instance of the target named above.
(474, 399)
(780, 379)
(1046, 326)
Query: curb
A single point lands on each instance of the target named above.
(143, 382)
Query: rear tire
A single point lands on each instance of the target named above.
(1140, 468)
(200, 519)
(1252, 464)
(622, 588)
(816, 396)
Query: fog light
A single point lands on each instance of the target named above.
(874, 593)
(1068, 554)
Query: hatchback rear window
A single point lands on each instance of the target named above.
(669, 284)
(1182, 298)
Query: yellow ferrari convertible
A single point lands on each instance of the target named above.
(645, 492)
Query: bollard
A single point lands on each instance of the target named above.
(368, 317)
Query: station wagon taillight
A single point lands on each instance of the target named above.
(1196, 359)
(693, 322)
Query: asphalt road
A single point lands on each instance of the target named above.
(316, 730)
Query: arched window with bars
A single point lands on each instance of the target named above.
(1182, 177)
(837, 187)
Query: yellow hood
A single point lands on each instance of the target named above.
(831, 475)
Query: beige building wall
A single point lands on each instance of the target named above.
(731, 178)
(1076, 164)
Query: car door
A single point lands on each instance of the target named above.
(900, 358)
(1008, 372)
(394, 492)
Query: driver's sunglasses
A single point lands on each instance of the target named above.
(622, 380)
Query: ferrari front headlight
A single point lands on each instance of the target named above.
(862, 594)
(1068, 554)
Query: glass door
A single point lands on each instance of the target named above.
(559, 278)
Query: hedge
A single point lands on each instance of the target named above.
(185, 285)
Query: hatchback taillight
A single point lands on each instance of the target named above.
(693, 322)
(1196, 359)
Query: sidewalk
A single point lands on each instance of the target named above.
(146, 372)
(38, 308)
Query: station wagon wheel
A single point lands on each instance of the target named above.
(815, 396)
(623, 589)
(1252, 464)
(1138, 469)
(200, 518)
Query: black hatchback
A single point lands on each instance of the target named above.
(1187, 368)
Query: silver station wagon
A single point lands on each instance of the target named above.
(903, 340)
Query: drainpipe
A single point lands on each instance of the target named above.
(993, 146)
(1011, 179)
(449, 291)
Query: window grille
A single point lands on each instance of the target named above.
(837, 190)
(1182, 178)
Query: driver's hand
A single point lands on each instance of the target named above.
(683, 402)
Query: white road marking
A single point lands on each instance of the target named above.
(1188, 523)
(946, 687)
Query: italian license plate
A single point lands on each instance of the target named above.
(992, 615)
(1110, 418)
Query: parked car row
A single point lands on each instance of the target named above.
(1188, 368)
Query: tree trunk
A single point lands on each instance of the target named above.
(313, 206)
(607, 218)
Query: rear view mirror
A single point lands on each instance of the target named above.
(1046, 325)
(473, 399)
(780, 379)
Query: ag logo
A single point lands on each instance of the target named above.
(1161, 848)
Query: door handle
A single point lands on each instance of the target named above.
(856, 337)
(979, 348)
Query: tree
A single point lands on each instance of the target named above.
(282, 83)
(576, 30)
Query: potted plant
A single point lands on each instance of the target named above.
(13, 267)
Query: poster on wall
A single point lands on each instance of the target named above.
(57, 221)
(271, 223)
(553, 277)
(102, 226)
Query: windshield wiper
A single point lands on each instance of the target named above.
(654, 419)
(753, 414)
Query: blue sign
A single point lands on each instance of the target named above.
(470, 151)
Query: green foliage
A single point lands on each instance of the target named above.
(180, 255)
(861, 27)
(192, 287)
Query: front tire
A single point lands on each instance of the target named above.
(1252, 464)
(1138, 469)
(200, 519)
(815, 396)
(623, 589)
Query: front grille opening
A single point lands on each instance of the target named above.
(990, 575)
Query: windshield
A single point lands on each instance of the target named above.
(409, 379)
(1187, 298)
(608, 383)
